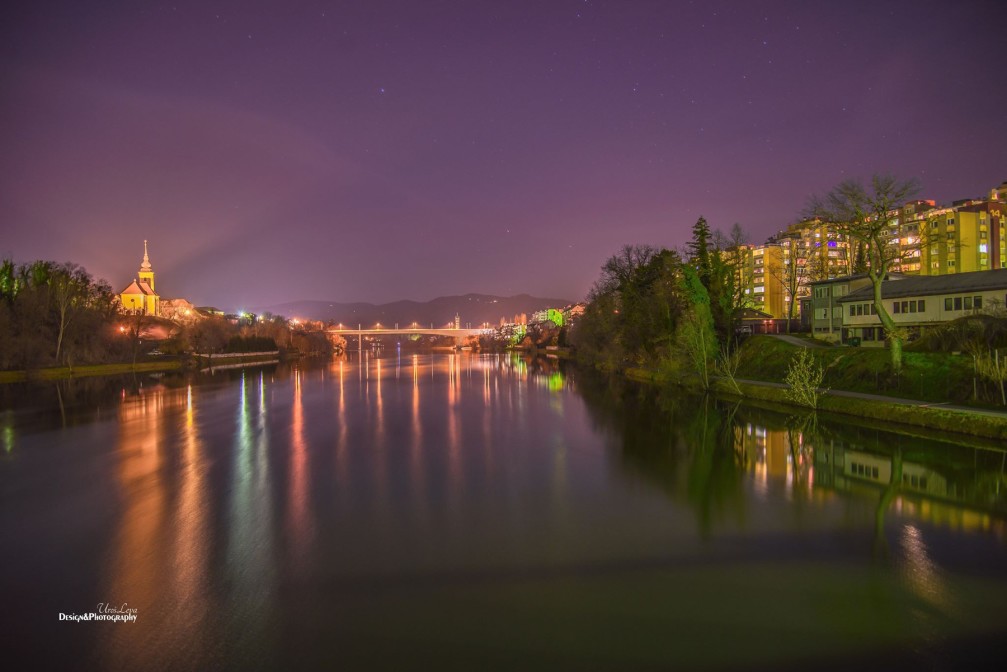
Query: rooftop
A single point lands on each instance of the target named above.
(928, 285)
(856, 276)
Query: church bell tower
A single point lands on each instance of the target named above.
(146, 272)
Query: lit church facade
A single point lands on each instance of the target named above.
(139, 297)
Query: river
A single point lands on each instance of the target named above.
(453, 511)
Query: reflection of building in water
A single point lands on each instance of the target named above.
(938, 494)
(841, 467)
(935, 485)
(157, 548)
(767, 450)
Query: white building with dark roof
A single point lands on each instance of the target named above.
(918, 302)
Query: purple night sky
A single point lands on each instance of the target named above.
(379, 150)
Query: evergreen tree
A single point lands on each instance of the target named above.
(699, 249)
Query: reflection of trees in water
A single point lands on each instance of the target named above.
(74, 401)
(62, 403)
(686, 446)
(803, 431)
(699, 450)
(717, 465)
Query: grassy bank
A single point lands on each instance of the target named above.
(926, 376)
(881, 412)
(871, 411)
(62, 372)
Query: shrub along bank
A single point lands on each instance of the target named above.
(925, 376)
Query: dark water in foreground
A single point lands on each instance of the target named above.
(454, 511)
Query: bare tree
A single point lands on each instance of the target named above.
(929, 238)
(790, 273)
(619, 269)
(737, 250)
(867, 216)
(137, 326)
(68, 286)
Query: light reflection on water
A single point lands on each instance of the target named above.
(364, 502)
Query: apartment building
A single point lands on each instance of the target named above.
(807, 249)
(967, 237)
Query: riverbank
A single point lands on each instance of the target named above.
(939, 416)
(225, 359)
(548, 351)
(89, 370)
(214, 361)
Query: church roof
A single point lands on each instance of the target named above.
(139, 287)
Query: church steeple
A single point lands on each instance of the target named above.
(145, 266)
(146, 271)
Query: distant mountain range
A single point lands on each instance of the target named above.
(473, 309)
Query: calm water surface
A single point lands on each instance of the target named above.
(456, 511)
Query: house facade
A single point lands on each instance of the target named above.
(921, 302)
(826, 319)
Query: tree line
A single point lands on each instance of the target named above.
(269, 332)
(657, 309)
(54, 314)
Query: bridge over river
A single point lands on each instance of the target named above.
(459, 333)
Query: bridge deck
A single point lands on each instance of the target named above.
(409, 331)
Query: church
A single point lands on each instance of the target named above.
(139, 297)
